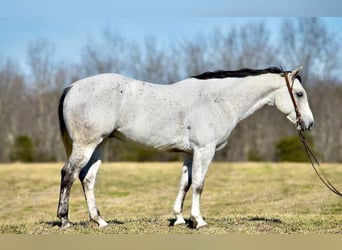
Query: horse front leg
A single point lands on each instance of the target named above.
(184, 186)
(202, 159)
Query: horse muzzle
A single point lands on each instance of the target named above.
(304, 126)
(301, 124)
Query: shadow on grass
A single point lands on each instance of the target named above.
(117, 222)
(188, 223)
(57, 223)
(263, 219)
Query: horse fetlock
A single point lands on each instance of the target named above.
(62, 212)
(179, 219)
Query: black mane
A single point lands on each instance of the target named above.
(238, 73)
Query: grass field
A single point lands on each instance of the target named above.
(248, 198)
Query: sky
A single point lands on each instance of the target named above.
(69, 25)
(69, 35)
(164, 8)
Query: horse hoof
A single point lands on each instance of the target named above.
(66, 224)
(103, 224)
(179, 221)
(201, 225)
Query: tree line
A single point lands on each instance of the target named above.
(28, 101)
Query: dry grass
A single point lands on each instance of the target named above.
(138, 197)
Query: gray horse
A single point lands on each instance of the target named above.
(194, 116)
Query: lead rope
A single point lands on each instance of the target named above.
(314, 160)
(309, 153)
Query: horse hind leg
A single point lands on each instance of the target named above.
(184, 186)
(79, 157)
(87, 178)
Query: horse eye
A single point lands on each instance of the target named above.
(299, 94)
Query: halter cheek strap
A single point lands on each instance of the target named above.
(299, 120)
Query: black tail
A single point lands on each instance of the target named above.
(64, 133)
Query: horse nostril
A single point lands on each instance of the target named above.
(310, 126)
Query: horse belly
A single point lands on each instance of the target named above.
(154, 116)
(164, 138)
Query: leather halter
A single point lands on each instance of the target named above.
(309, 153)
(299, 120)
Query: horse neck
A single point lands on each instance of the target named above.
(244, 96)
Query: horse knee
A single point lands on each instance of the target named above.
(198, 187)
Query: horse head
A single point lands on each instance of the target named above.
(291, 99)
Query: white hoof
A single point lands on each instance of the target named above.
(179, 221)
(102, 224)
(199, 223)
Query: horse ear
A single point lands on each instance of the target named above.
(295, 72)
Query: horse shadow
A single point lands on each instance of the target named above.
(58, 223)
(188, 223)
(264, 219)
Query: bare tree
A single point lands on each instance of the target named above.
(307, 41)
(195, 56)
(106, 56)
(252, 46)
(326, 102)
(155, 62)
(12, 94)
(44, 95)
